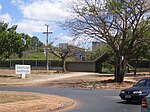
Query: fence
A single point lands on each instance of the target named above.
(57, 64)
(35, 64)
(140, 63)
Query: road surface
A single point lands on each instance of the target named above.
(102, 100)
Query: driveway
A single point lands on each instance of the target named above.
(102, 100)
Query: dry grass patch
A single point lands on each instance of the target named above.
(8, 76)
(9, 97)
(32, 102)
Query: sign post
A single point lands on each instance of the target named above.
(23, 70)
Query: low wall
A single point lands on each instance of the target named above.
(80, 66)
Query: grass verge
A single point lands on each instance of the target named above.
(10, 98)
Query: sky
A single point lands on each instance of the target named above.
(32, 15)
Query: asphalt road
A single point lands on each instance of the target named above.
(90, 100)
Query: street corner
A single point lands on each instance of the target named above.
(25, 102)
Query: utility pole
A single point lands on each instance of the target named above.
(46, 47)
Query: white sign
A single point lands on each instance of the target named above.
(23, 69)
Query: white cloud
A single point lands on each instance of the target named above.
(47, 10)
(32, 26)
(37, 13)
(44, 11)
(0, 7)
(62, 38)
(17, 2)
(5, 17)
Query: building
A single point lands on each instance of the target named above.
(96, 45)
(79, 53)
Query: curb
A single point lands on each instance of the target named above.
(65, 106)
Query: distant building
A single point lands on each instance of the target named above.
(79, 52)
(63, 45)
(80, 55)
(96, 45)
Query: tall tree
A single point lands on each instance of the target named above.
(65, 51)
(12, 42)
(122, 24)
(36, 43)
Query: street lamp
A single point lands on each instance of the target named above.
(46, 47)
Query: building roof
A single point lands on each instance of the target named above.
(102, 57)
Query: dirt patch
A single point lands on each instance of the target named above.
(90, 82)
(94, 82)
(42, 104)
(8, 77)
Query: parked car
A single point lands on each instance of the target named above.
(137, 92)
(145, 106)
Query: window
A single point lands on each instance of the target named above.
(148, 83)
(141, 83)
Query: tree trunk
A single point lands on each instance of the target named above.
(120, 68)
(128, 69)
(63, 65)
(149, 65)
(135, 66)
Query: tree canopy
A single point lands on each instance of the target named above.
(36, 44)
(12, 42)
(122, 24)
